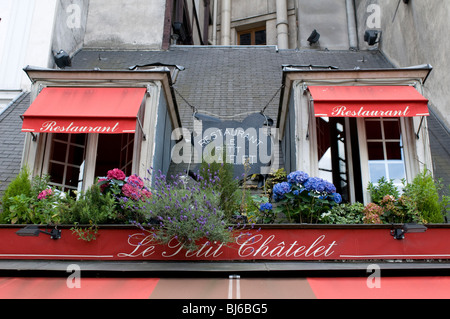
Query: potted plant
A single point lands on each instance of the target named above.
(298, 218)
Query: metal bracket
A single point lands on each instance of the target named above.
(420, 126)
(142, 129)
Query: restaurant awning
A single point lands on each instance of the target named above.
(368, 101)
(84, 110)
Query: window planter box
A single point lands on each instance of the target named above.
(266, 242)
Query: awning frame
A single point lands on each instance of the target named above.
(367, 101)
(107, 78)
(415, 75)
(157, 84)
(88, 109)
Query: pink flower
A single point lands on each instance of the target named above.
(372, 214)
(45, 193)
(130, 191)
(146, 194)
(116, 174)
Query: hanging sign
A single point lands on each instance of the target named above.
(247, 145)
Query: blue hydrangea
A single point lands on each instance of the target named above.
(280, 189)
(314, 184)
(330, 188)
(337, 198)
(319, 185)
(297, 177)
(265, 206)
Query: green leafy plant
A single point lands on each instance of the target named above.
(87, 234)
(382, 188)
(18, 210)
(21, 185)
(225, 184)
(260, 211)
(92, 207)
(31, 201)
(425, 192)
(344, 214)
(400, 210)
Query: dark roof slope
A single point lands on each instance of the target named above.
(11, 140)
(439, 136)
(228, 80)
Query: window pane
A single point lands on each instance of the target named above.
(72, 176)
(112, 152)
(325, 169)
(393, 150)
(376, 171)
(245, 39)
(59, 152)
(396, 172)
(375, 150)
(66, 157)
(385, 150)
(260, 37)
(61, 137)
(76, 155)
(331, 151)
(78, 139)
(373, 129)
(391, 129)
(56, 172)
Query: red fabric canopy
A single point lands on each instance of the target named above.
(84, 110)
(368, 101)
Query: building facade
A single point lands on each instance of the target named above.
(226, 59)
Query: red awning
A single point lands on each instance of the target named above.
(368, 101)
(84, 110)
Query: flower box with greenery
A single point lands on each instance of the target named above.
(211, 217)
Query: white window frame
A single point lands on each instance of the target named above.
(348, 153)
(43, 148)
(47, 161)
(408, 143)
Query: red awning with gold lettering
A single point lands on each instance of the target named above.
(84, 110)
(368, 101)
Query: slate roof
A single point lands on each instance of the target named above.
(439, 136)
(228, 80)
(11, 140)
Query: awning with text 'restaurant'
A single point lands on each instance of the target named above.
(368, 101)
(84, 110)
